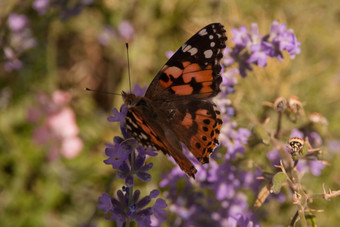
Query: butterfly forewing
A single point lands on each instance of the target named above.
(144, 132)
(194, 69)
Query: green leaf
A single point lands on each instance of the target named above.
(260, 132)
(278, 179)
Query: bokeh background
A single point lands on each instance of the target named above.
(50, 53)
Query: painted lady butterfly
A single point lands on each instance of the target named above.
(177, 106)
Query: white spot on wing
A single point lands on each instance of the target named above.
(203, 32)
(143, 136)
(190, 49)
(131, 122)
(211, 36)
(212, 44)
(186, 47)
(193, 51)
(208, 53)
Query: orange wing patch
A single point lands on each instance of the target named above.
(192, 79)
(206, 139)
(183, 89)
(192, 68)
(187, 121)
(200, 76)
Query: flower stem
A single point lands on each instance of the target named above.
(278, 128)
(132, 163)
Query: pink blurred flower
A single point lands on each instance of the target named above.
(41, 135)
(41, 6)
(17, 22)
(71, 147)
(59, 130)
(61, 97)
(63, 123)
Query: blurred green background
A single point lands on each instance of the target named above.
(37, 191)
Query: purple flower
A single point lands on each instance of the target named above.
(290, 43)
(314, 166)
(233, 139)
(240, 56)
(334, 146)
(314, 139)
(158, 209)
(71, 9)
(106, 35)
(241, 36)
(17, 22)
(126, 30)
(118, 116)
(296, 133)
(223, 104)
(105, 203)
(117, 153)
(255, 36)
(14, 64)
(276, 30)
(253, 48)
(259, 55)
(274, 157)
(120, 159)
(282, 39)
(41, 6)
(244, 221)
(228, 82)
(169, 54)
(147, 151)
(20, 40)
(227, 59)
(135, 208)
(139, 91)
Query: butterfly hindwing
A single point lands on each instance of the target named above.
(194, 69)
(197, 124)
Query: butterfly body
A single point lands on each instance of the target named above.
(177, 107)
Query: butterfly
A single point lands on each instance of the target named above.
(177, 106)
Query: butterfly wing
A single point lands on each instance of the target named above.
(197, 124)
(184, 86)
(194, 69)
(177, 105)
(149, 133)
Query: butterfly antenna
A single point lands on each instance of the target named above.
(128, 61)
(104, 92)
